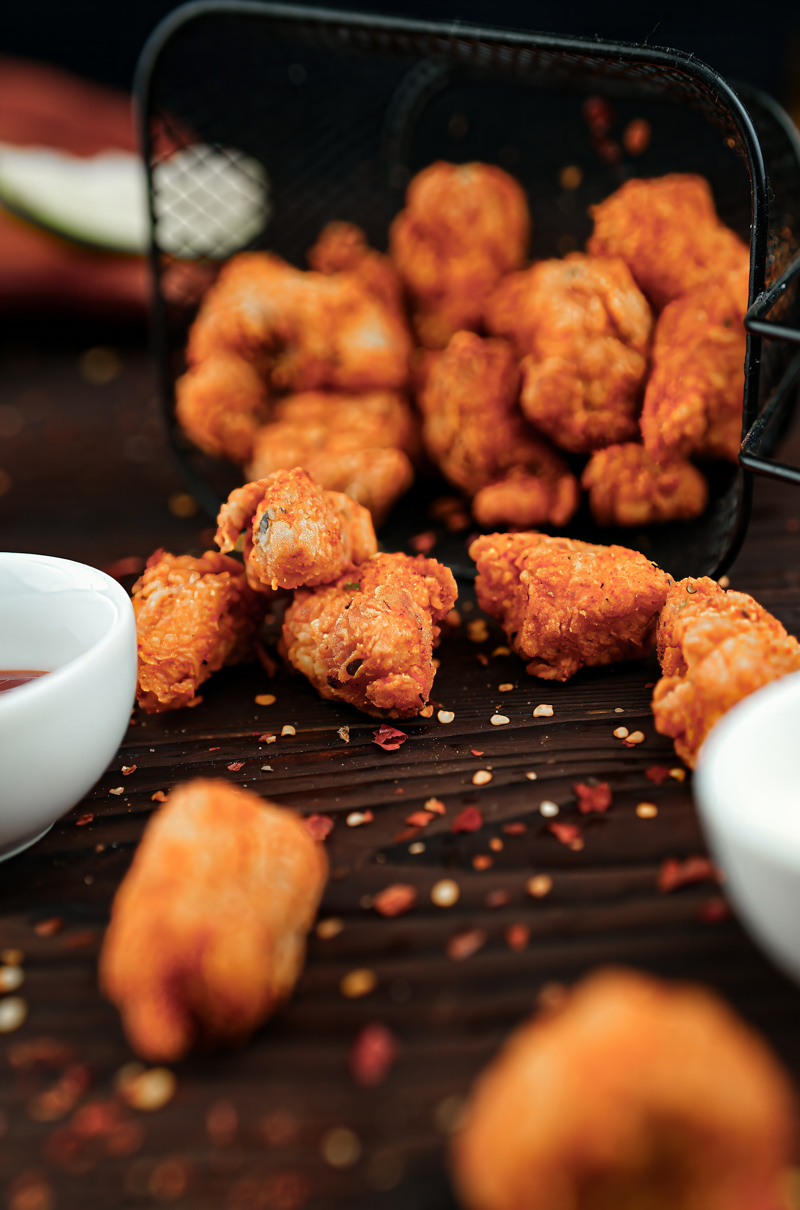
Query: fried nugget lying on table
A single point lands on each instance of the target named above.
(368, 639)
(628, 487)
(463, 228)
(473, 429)
(294, 532)
(667, 231)
(362, 445)
(566, 604)
(715, 648)
(192, 616)
(633, 1094)
(207, 933)
(585, 329)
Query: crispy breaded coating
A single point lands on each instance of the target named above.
(368, 639)
(566, 604)
(585, 329)
(633, 1094)
(343, 247)
(473, 429)
(627, 486)
(667, 231)
(220, 404)
(208, 929)
(358, 444)
(192, 616)
(294, 532)
(463, 228)
(693, 400)
(305, 329)
(715, 648)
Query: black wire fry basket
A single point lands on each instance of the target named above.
(262, 122)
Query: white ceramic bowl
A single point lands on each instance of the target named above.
(747, 785)
(59, 732)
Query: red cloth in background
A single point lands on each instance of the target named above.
(42, 106)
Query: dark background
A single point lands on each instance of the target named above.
(760, 43)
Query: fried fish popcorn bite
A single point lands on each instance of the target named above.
(585, 327)
(667, 231)
(633, 1094)
(463, 228)
(192, 616)
(715, 648)
(628, 487)
(207, 933)
(294, 532)
(220, 405)
(368, 639)
(566, 604)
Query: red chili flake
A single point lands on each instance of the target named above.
(517, 936)
(497, 899)
(424, 542)
(464, 945)
(84, 819)
(598, 115)
(395, 899)
(159, 796)
(468, 820)
(81, 941)
(514, 829)
(593, 798)
(214, 749)
(656, 774)
(130, 565)
(318, 826)
(389, 738)
(373, 1053)
(419, 819)
(128, 769)
(235, 766)
(714, 910)
(406, 834)
(565, 833)
(674, 873)
(636, 136)
(48, 928)
(476, 751)
(399, 790)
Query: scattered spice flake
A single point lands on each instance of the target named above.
(714, 910)
(389, 738)
(399, 790)
(514, 829)
(656, 774)
(497, 899)
(117, 790)
(496, 844)
(84, 819)
(481, 778)
(287, 729)
(468, 820)
(724, 582)
(373, 1054)
(482, 659)
(543, 711)
(505, 688)
(593, 798)
(357, 819)
(419, 819)
(49, 927)
(159, 796)
(217, 747)
(357, 983)
(501, 651)
(436, 806)
(464, 945)
(675, 873)
(565, 833)
(268, 737)
(636, 136)
(395, 899)
(196, 701)
(13, 1011)
(406, 834)
(477, 631)
(126, 770)
(328, 929)
(147, 1090)
(477, 751)
(517, 936)
(265, 699)
(80, 941)
(453, 618)
(445, 716)
(621, 733)
(646, 810)
(678, 774)
(499, 720)
(416, 848)
(482, 861)
(318, 826)
(635, 737)
(422, 543)
(235, 766)
(548, 809)
(264, 658)
(445, 892)
(426, 711)
(344, 734)
(539, 885)
(532, 776)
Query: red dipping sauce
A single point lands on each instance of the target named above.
(11, 678)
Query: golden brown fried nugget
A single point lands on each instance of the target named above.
(473, 430)
(208, 929)
(220, 405)
(192, 616)
(566, 604)
(693, 401)
(294, 532)
(343, 247)
(634, 1094)
(715, 648)
(368, 639)
(628, 487)
(585, 327)
(464, 226)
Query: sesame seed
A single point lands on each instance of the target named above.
(621, 733)
(265, 699)
(678, 774)
(329, 928)
(11, 977)
(619, 710)
(646, 810)
(445, 892)
(13, 1011)
(117, 790)
(499, 720)
(416, 848)
(358, 983)
(532, 776)
(148, 1090)
(288, 729)
(636, 737)
(267, 769)
(357, 818)
(481, 778)
(543, 711)
(539, 886)
(504, 688)
(445, 716)
(436, 806)
(548, 809)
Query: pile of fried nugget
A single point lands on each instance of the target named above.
(630, 353)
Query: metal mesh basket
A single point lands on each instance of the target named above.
(302, 116)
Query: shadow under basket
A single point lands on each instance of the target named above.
(339, 110)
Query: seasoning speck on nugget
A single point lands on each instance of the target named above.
(464, 226)
(689, 1109)
(207, 933)
(585, 327)
(628, 487)
(715, 648)
(192, 616)
(294, 532)
(566, 604)
(368, 639)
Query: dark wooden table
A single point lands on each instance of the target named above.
(90, 479)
